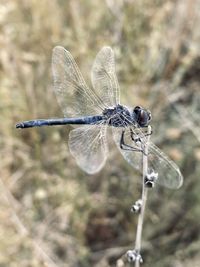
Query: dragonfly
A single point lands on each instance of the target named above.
(91, 111)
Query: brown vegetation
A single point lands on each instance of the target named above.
(50, 210)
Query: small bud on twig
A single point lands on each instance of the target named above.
(150, 179)
(133, 256)
(136, 207)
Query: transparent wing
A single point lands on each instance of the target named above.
(168, 172)
(89, 147)
(104, 78)
(74, 96)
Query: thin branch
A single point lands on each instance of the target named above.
(139, 206)
(144, 199)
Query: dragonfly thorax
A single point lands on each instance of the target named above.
(119, 116)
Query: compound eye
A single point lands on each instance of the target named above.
(137, 109)
(142, 117)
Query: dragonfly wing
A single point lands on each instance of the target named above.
(104, 78)
(89, 147)
(73, 94)
(169, 174)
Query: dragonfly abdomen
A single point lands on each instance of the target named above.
(63, 121)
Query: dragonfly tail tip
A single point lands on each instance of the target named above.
(19, 125)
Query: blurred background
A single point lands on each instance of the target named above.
(51, 212)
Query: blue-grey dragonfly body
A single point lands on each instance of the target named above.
(116, 117)
(96, 110)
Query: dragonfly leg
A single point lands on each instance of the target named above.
(134, 139)
(138, 139)
(126, 146)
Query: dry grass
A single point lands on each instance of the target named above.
(50, 206)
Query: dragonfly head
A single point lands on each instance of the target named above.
(142, 116)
